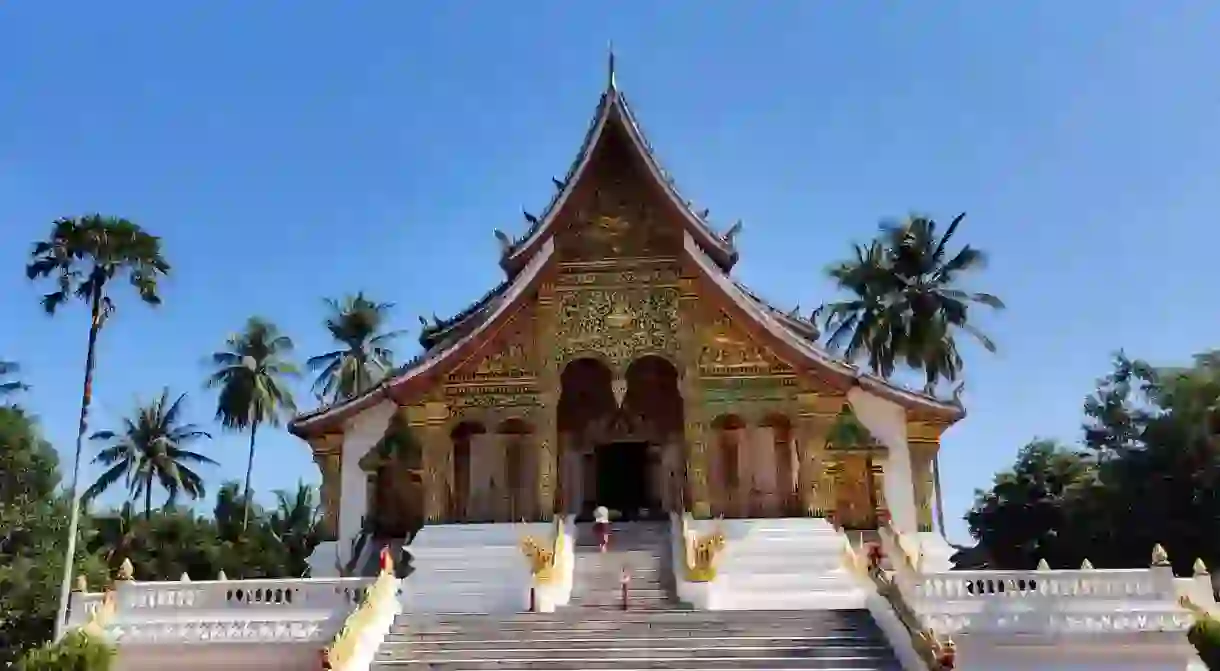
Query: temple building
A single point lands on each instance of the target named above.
(621, 364)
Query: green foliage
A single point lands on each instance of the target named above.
(905, 305)
(1204, 635)
(364, 357)
(83, 254)
(33, 525)
(1148, 473)
(76, 651)
(152, 448)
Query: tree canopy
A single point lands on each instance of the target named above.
(1147, 472)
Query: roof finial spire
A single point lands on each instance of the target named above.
(610, 83)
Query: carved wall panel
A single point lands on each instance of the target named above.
(726, 350)
(507, 355)
(618, 324)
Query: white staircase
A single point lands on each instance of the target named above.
(470, 568)
(642, 548)
(783, 564)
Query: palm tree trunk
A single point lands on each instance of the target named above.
(148, 482)
(245, 513)
(95, 326)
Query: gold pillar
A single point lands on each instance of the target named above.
(815, 483)
(923, 439)
(546, 416)
(694, 414)
(328, 455)
(428, 421)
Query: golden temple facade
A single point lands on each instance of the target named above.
(620, 364)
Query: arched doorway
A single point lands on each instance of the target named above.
(620, 440)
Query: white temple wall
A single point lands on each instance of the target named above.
(887, 422)
(361, 434)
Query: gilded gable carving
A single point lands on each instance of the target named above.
(618, 324)
(506, 356)
(616, 221)
(726, 350)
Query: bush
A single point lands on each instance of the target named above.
(1204, 634)
(76, 651)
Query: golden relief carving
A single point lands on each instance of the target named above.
(505, 356)
(655, 276)
(618, 324)
(726, 350)
(615, 222)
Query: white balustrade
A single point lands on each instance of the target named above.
(332, 594)
(1126, 584)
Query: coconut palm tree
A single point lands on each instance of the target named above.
(81, 257)
(252, 375)
(905, 305)
(295, 524)
(11, 385)
(152, 448)
(364, 356)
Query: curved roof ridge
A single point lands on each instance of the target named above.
(813, 352)
(611, 100)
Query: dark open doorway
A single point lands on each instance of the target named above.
(623, 479)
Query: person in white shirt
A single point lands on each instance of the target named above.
(601, 527)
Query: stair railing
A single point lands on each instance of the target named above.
(939, 653)
(356, 643)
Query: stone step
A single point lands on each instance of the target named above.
(491, 632)
(673, 663)
(858, 618)
(566, 641)
(650, 650)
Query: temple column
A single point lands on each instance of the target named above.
(360, 436)
(815, 485)
(695, 417)
(328, 455)
(428, 421)
(924, 441)
(547, 415)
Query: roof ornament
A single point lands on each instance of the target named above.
(506, 243)
(730, 234)
(530, 218)
(611, 84)
(423, 321)
(704, 213)
(558, 184)
(796, 312)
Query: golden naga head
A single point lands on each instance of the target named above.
(541, 559)
(701, 561)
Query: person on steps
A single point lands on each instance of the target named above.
(601, 527)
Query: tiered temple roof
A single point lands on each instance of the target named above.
(449, 341)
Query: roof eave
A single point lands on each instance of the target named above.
(326, 419)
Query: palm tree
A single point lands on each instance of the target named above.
(252, 375)
(364, 356)
(9, 369)
(905, 303)
(151, 448)
(81, 256)
(295, 525)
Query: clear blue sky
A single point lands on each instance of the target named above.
(289, 151)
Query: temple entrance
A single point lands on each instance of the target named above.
(623, 482)
(620, 438)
